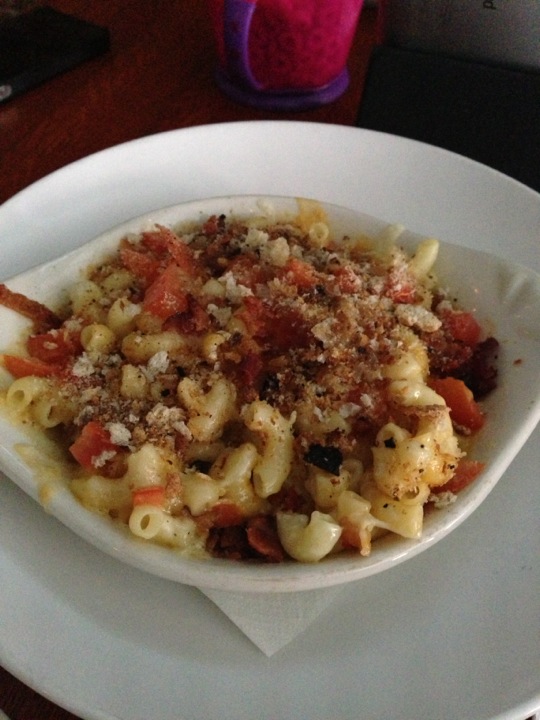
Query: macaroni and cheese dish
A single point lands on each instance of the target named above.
(258, 390)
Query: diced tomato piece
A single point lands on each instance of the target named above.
(183, 256)
(462, 326)
(93, 441)
(464, 410)
(164, 240)
(299, 273)
(466, 472)
(155, 241)
(55, 346)
(24, 367)
(141, 264)
(150, 495)
(168, 294)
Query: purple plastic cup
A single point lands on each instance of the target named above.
(284, 54)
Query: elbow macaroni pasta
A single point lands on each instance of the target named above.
(208, 412)
(274, 461)
(252, 389)
(39, 398)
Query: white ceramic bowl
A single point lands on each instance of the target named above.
(505, 298)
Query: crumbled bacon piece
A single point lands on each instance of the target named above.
(42, 318)
(262, 537)
(479, 373)
(190, 321)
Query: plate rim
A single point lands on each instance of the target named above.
(108, 150)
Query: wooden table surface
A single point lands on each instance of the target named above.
(157, 76)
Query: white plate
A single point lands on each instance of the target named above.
(451, 634)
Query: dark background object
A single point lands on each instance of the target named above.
(36, 45)
(485, 112)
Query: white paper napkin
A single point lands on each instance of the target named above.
(272, 620)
